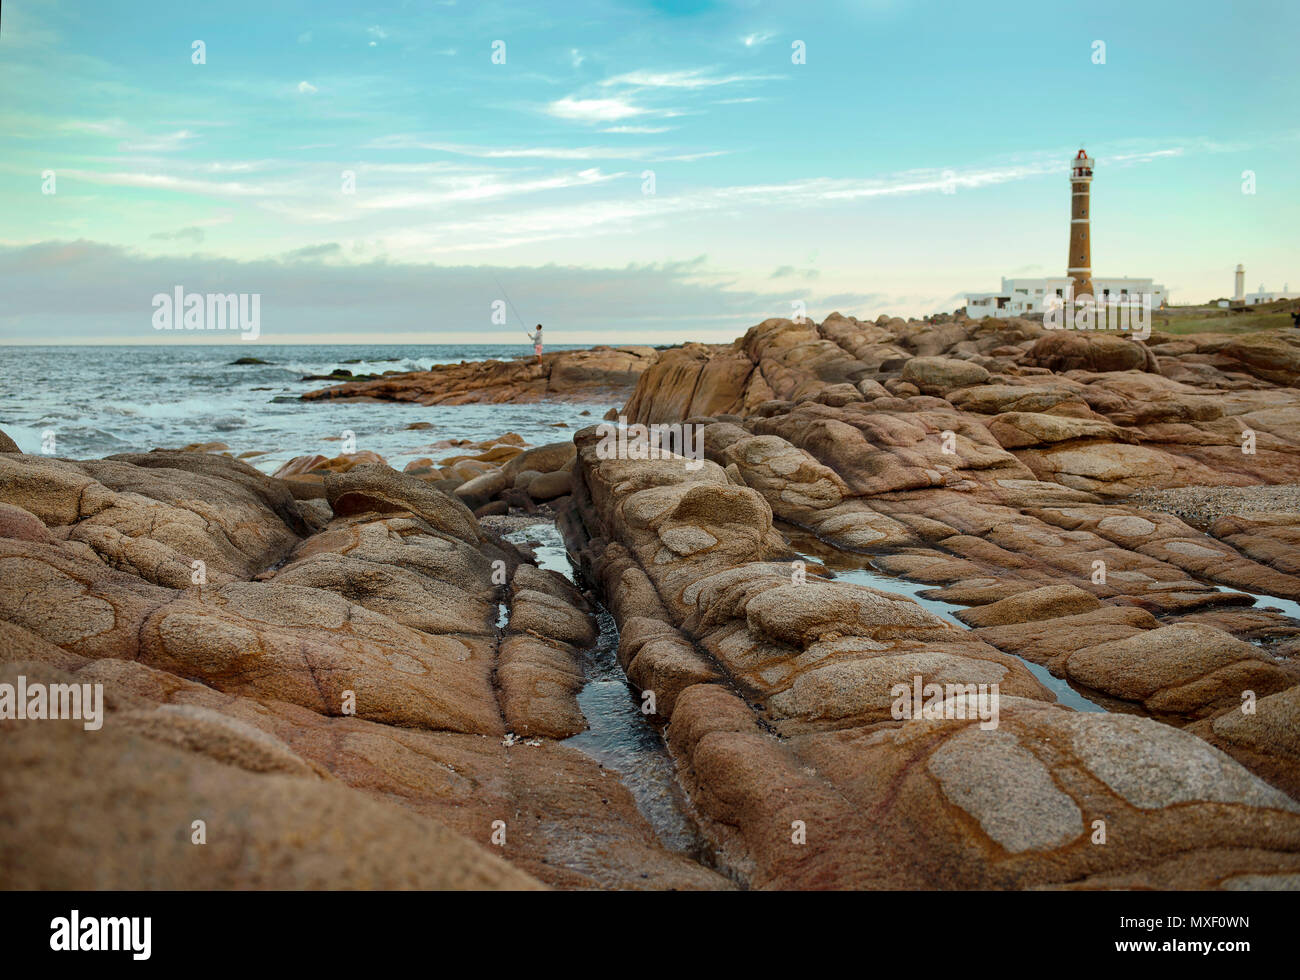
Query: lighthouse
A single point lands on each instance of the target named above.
(1079, 267)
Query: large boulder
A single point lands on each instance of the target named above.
(1063, 351)
(939, 375)
(1268, 356)
(1046, 603)
(1015, 430)
(382, 490)
(541, 459)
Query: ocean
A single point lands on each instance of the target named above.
(97, 401)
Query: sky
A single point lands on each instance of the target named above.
(624, 171)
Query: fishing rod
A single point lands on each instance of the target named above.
(521, 320)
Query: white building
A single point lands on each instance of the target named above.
(1020, 296)
(1264, 296)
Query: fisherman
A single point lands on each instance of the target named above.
(536, 338)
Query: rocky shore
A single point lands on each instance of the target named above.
(567, 375)
(354, 694)
(355, 677)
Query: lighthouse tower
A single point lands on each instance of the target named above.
(1079, 268)
(1239, 287)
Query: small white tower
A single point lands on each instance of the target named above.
(1240, 294)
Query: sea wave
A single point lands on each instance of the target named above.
(100, 401)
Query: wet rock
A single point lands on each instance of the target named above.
(1186, 670)
(524, 478)
(481, 489)
(548, 486)
(539, 684)
(1051, 641)
(1045, 603)
(548, 616)
(541, 459)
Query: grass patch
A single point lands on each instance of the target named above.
(1271, 317)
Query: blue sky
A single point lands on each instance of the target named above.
(918, 154)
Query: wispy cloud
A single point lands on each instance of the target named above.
(1145, 157)
(99, 127)
(643, 93)
(133, 139)
(408, 142)
(624, 215)
(594, 110)
(483, 188)
(165, 182)
(688, 157)
(637, 129)
(161, 144)
(694, 78)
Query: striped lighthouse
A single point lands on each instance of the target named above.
(1079, 268)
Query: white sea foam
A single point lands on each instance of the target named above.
(104, 400)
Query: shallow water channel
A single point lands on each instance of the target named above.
(619, 735)
(849, 567)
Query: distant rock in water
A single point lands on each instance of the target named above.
(249, 360)
(340, 374)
